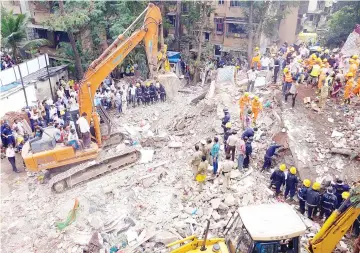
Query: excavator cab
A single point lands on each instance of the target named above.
(270, 228)
(266, 228)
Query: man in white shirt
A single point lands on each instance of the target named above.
(231, 142)
(251, 79)
(10, 154)
(18, 126)
(265, 61)
(84, 129)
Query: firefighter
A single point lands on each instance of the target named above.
(278, 178)
(328, 203)
(313, 199)
(291, 183)
(302, 192)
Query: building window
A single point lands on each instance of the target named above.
(219, 24)
(207, 36)
(237, 30)
(171, 20)
(221, 2)
(235, 3)
(184, 8)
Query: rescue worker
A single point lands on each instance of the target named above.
(353, 67)
(270, 152)
(314, 73)
(153, 94)
(287, 81)
(356, 90)
(147, 94)
(344, 197)
(302, 193)
(276, 68)
(348, 87)
(322, 77)
(313, 199)
(226, 167)
(201, 172)
(248, 153)
(162, 92)
(291, 183)
(247, 123)
(139, 95)
(278, 179)
(328, 203)
(339, 187)
(356, 60)
(255, 61)
(256, 108)
(244, 102)
(195, 161)
(324, 93)
(249, 132)
(225, 119)
(227, 133)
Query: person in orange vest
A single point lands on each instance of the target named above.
(287, 81)
(353, 67)
(255, 61)
(348, 87)
(256, 107)
(244, 101)
(356, 91)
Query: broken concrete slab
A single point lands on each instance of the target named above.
(165, 237)
(336, 134)
(215, 215)
(229, 200)
(175, 144)
(215, 203)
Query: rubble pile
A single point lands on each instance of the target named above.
(143, 207)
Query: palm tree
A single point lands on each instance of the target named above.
(13, 35)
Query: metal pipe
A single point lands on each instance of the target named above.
(203, 248)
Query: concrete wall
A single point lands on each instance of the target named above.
(15, 100)
(287, 29)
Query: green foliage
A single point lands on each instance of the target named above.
(13, 33)
(341, 24)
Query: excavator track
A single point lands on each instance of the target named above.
(86, 171)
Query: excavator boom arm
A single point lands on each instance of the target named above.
(113, 56)
(335, 227)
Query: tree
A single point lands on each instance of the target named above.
(342, 23)
(13, 33)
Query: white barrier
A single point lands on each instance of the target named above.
(10, 75)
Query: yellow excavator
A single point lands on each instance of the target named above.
(274, 228)
(67, 165)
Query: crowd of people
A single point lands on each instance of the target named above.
(6, 61)
(330, 74)
(63, 114)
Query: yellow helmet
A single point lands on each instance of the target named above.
(318, 61)
(319, 49)
(228, 125)
(283, 167)
(351, 60)
(355, 56)
(345, 195)
(147, 84)
(307, 182)
(286, 70)
(322, 65)
(246, 94)
(256, 98)
(316, 186)
(137, 85)
(256, 48)
(350, 74)
(313, 56)
(326, 51)
(293, 170)
(299, 60)
(325, 60)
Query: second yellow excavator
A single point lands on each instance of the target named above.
(67, 165)
(275, 228)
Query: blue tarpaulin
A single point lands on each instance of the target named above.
(173, 56)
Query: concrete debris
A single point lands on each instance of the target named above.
(146, 155)
(307, 100)
(175, 144)
(215, 215)
(215, 203)
(336, 134)
(229, 200)
(165, 237)
(96, 223)
(148, 181)
(95, 243)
